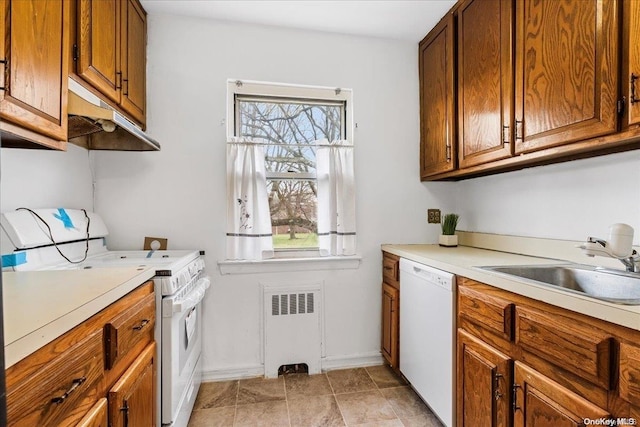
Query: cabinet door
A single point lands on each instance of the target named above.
(631, 49)
(485, 81)
(99, 45)
(35, 49)
(97, 415)
(484, 379)
(540, 401)
(437, 148)
(566, 71)
(134, 45)
(390, 324)
(132, 399)
(629, 379)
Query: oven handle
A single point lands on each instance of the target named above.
(193, 298)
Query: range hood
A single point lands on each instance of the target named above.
(93, 124)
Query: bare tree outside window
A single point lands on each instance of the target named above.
(290, 128)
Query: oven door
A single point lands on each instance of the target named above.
(181, 348)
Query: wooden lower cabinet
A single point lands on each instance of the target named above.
(523, 362)
(390, 324)
(66, 382)
(484, 384)
(132, 398)
(390, 334)
(539, 401)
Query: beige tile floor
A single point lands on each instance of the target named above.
(373, 396)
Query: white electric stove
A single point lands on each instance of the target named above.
(55, 239)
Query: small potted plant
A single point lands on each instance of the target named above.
(448, 238)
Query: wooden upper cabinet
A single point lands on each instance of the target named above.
(539, 401)
(111, 52)
(437, 119)
(134, 51)
(35, 78)
(485, 81)
(631, 65)
(566, 71)
(98, 44)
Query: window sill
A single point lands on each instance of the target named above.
(276, 265)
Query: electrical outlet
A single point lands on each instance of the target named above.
(433, 216)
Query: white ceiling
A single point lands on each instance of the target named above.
(400, 19)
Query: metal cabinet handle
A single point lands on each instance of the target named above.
(125, 411)
(519, 130)
(125, 91)
(119, 80)
(496, 380)
(633, 98)
(388, 268)
(76, 383)
(506, 138)
(141, 325)
(514, 391)
(448, 152)
(4, 62)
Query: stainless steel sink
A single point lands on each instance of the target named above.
(609, 285)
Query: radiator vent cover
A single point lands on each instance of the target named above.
(292, 327)
(289, 304)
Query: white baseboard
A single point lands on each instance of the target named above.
(352, 361)
(327, 363)
(233, 373)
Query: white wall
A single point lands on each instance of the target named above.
(568, 201)
(179, 192)
(46, 179)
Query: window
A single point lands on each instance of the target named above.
(289, 122)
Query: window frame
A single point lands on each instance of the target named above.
(302, 93)
(265, 91)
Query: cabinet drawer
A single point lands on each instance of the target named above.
(61, 391)
(133, 326)
(492, 313)
(391, 269)
(567, 343)
(630, 373)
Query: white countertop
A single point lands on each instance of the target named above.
(39, 306)
(461, 261)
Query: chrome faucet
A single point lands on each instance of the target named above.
(632, 263)
(618, 247)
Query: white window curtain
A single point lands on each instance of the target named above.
(249, 235)
(336, 198)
